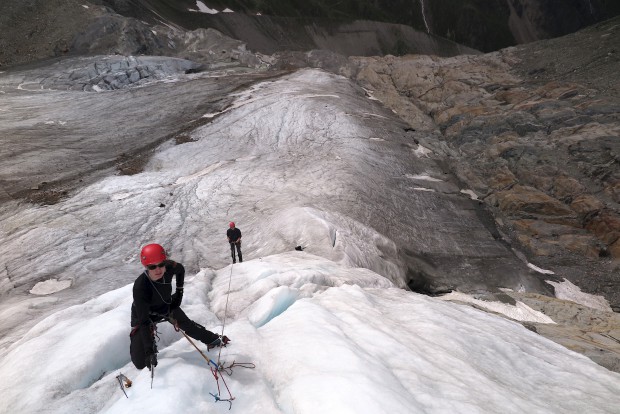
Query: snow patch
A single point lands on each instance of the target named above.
(202, 8)
(375, 115)
(422, 177)
(422, 151)
(539, 270)
(470, 193)
(519, 312)
(567, 291)
(50, 286)
(24, 86)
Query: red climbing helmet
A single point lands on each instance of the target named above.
(231, 224)
(152, 254)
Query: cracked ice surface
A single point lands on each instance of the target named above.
(327, 327)
(324, 337)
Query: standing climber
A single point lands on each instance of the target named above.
(234, 238)
(154, 302)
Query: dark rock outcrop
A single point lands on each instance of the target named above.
(71, 28)
(536, 141)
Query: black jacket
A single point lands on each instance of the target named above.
(153, 298)
(233, 234)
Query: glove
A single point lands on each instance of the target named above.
(177, 297)
(220, 341)
(151, 361)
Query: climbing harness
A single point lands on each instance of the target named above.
(124, 382)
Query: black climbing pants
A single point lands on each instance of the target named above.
(232, 251)
(139, 349)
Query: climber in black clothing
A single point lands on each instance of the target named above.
(153, 302)
(234, 238)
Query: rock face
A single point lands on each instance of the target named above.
(532, 20)
(32, 30)
(536, 141)
(66, 29)
(38, 29)
(269, 35)
(591, 332)
(71, 28)
(482, 25)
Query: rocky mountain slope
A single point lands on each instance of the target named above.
(534, 131)
(485, 25)
(38, 29)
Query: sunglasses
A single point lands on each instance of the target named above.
(153, 267)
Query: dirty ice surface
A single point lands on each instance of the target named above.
(329, 329)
